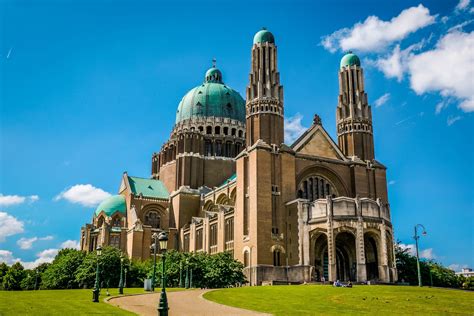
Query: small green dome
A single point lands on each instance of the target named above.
(263, 36)
(112, 204)
(350, 59)
(212, 98)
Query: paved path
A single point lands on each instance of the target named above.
(186, 303)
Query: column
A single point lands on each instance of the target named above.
(360, 245)
(306, 241)
(332, 270)
(384, 275)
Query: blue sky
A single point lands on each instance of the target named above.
(89, 89)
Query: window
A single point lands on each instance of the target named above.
(152, 218)
(276, 258)
(199, 239)
(213, 238)
(246, 258)
(218, 130)
(209, 130)
(316, 187)
(186, 243)
(117, 222)
(229, 234)
(115, 241)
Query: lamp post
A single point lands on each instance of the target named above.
(121, 275)
(186, 282)
(153, 247)
(181, 274)
(95, 292)
(163, 305)
(125, 279)
(417, 252)
(36, 279)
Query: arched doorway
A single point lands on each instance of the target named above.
(346, 266)
(371, 257)
(321, 262)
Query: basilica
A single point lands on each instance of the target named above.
(226, 181)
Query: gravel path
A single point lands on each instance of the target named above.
(188, 302)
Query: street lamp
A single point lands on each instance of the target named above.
(417, 253)
(125, 278)
(163, 305)
(121, 275)
(186, 282)
(95, 292)
(181, 274)
(153, 247)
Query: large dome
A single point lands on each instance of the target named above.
(263, 36)
(112, 204)
(212, 98)
(349, 60)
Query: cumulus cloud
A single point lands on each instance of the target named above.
(74, 244)
(452, 119)
(7, 257)
(84, 194)
(9, 200)
(457, 266)
(375, 34)
(9, 225)
(425, 253)
(462, 5)
(293, 128)
(45, 256)
(448, 69)
(382, 100)
(27, 243)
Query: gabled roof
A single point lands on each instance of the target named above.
(148, 187)
(317, 142)
(230, 179)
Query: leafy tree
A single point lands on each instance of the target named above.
(61, 273)
(3, 271)
(109, 268)
(13, 278)
(137, 272)
(442, 276)
(221, 270)
(467, 283)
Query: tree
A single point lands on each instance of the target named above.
(3, 271)
(61, 273)
(109, 268)
(13, 278)
(221, 270)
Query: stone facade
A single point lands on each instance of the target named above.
(291, 214)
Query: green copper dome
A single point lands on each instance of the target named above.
(350, 59)
(112, 204)
(263, 36)
(212, 98)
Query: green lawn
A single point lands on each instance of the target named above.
(361, 299)
(60, 302)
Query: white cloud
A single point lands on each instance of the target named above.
(451, 120)
(392, 182)
(425, 254)
(7, 257)
(382, 100)
(74, 244)
(440, 106)
(447, 69)
(375, 34)
(462, 5)
(84, 194)
(9, 226)
(293, 128)
(457, 266)
(8, 200)
(27, 243)
(45, 256)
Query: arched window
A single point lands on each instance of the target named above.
(276, 258)
(316, 187)
(116, 222)
(152, 218)
(246, 258)
(115, 241)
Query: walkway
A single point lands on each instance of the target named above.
(188, 302)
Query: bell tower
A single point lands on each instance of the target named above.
(264, 107)
(353, 114)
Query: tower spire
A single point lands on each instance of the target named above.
(354, 115)
(264, 107)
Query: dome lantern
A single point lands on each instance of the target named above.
(263, 36)
(350, 59)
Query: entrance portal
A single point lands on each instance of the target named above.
(371, 257)
(346, 266)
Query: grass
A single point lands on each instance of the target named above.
(61, 302)
(361, 299)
